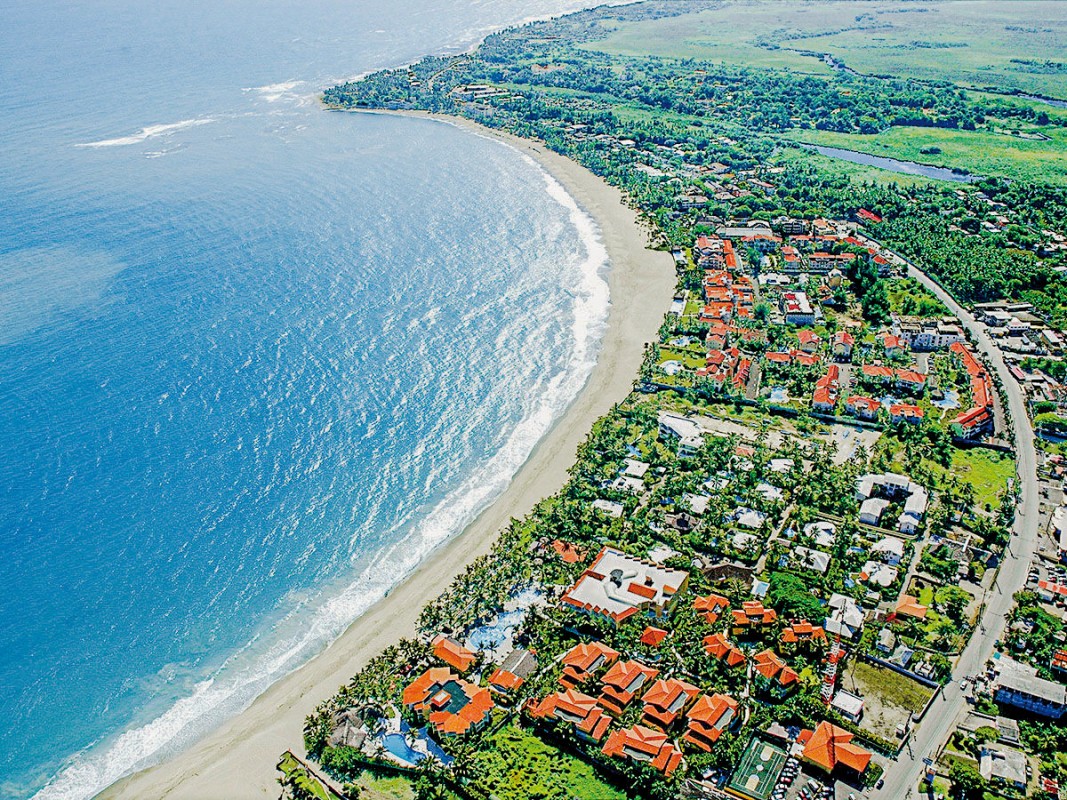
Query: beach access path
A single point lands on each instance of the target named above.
(237, 760)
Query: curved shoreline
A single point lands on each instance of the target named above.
(237, 760)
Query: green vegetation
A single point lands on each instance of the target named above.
(974, 152)
(301, 784)
(892, 688)
(518, 765)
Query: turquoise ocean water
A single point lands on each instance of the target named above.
(256, 359)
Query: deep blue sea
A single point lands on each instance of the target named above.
(256, 359)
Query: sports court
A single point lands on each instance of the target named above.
(758, 770)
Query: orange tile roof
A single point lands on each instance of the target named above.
(909, 606)
(419, 689)
(769, 665)
(803, 631)
(575, 707)
(708, 718)
(505, 681)
(653, 637)
(622, 682)
(567, 551)
(452, 653)
(710, 607)
(421, 694)
(829, 746)
(644, 745)
(666, 699)
(718, 646)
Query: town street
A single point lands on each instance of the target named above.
(902, 777)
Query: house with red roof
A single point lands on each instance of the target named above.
(710, 607)
(567, 552)
(824, 398)
(753, 616)
(905, 412)
(645, 746)
(580, 710)
(665, 701)
(863, 215)
(863, 407)
(803, 631)
(978, 419)
(876, 373)
(910, 380)
(708, 718)
(653, 636)
(519, 665)
(719, 647)
(450, 704)
(452, 653)
(809, 340)
(773, 676)
(893, 345)
(909, 606)
(843, 343)
(830, 748)
(622, 683)
(583, 661)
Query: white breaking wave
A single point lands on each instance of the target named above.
(275, 91)
(149, 132)
(247, 674)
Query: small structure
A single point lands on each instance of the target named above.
(849, 705)
(890, 548)
(617, 586)
(710, 607)
(878, 574)
(909, 606)
(803, 631)
(753, 615)
(773, 675)
(815, 560)
(645, 746)
(1003, 765)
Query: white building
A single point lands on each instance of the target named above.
(797, 309)
(689, 435)
(848, 705)
(845, 618)
(871, 510)
(617, 586)
(815, 560)
(1003, 765)
(874, 490)
(890, 549)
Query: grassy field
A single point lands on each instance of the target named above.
(987, 470)
(1009, 46)
(295, 772)
(977, 152)
(888, 696)
(521, 766)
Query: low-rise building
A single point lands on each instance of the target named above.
(830, 748)
(645, 746)
(450, 704)
(845, 618)
(1018, 685)
(621, 684)
(708, 718)
(617, 586)
(688, 434)
(580, 710)
(583, 661)
(1003, 765)
(796, 309)
(665, 701)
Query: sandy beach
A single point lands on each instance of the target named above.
(237, 760)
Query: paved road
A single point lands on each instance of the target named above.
(903, 776)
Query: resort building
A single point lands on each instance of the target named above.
(617, 586)
(708, 718)
(846, 617)
(863, 407)
(905, 412)
(753, 615)
(453, 653)
(580, 710)
(842, 345)
(645, 746)
(773, 675)
(450, 704)
(875, 490)
(803, 631)
(796, 309)
(719, 647)
(710, 607)
(665, 701)
(830, 748)
(622, 683)
(583, 661)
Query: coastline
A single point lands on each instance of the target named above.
(237, 760)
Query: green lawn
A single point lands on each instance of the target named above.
(987, 470)
(977, 152)
(519, 766)
(891, 687)
(292, 769)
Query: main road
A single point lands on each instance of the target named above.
(902, 777)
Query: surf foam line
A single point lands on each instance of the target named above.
(250, 672)
(149, 132)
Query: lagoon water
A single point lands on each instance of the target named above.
(256, 359)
